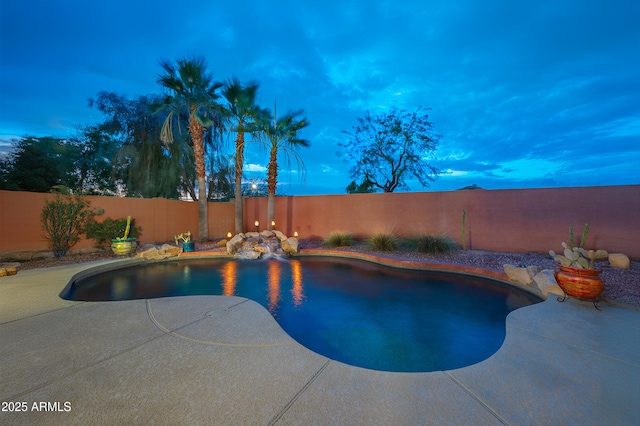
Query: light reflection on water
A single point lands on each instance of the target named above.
(229, 272)
(296, 276)
(351, 311)
(274, 287)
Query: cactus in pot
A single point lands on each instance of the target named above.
(124, 245)
(576, 256)
(187, 244)
(577, 275)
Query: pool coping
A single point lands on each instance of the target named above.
(561, 363)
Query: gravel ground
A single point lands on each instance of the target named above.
(621, 286)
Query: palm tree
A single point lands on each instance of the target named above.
(244, 114)
(192, 91)
(282, 135)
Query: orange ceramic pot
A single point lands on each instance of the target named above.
(583, 284)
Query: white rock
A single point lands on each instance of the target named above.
(171, 250)
(154, 254)
(521, 275)
(280, 235)
(234, 244)
(546, 282)
(619, 260)
(290, 245)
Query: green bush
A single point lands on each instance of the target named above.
(63, 220)
(383, 242)
(338, 239)
(103, 232)
(435, 244)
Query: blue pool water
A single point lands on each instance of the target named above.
(348, 310)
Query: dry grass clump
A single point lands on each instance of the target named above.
(433, 244)
(382, 241)
(338, 239)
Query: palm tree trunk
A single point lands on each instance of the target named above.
(239, 166)
(203, 210)
(271, 209)
(197, 136)
(272, 179)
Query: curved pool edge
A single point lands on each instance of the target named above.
(379, 260)
(368, 257)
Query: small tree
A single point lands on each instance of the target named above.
(389, 147)
(63, 220)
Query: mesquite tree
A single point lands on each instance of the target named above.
(391, 147)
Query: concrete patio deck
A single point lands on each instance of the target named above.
(225, 360)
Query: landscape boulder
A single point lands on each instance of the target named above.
(254, 245)
(619, 260)
(7, 269)
(290, 245)
(235, 244)
(158, 253)
(546, 282)
(280, 235)
(266, 234)
(171, 250)
(523, 275)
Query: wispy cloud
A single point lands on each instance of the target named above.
(523, 93)
(254, 168)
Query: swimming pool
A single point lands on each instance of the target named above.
(351, 311)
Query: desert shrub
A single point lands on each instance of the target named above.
(103, 232)
(63, 220)
(434, 244)
(338, 239)
(383, 242)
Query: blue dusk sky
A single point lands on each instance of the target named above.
(541, 93)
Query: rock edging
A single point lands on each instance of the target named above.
(255, 245)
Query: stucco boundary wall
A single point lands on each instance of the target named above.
(517, 220)
(160, 219)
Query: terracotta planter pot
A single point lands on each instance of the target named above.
(583, 284)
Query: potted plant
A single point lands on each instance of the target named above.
(124, 245)
(577, 275)
(187, 244)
